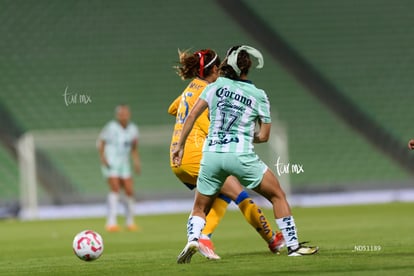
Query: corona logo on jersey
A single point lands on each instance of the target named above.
(224, 92)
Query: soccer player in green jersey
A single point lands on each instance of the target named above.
(202, 67)
(235, 106)
(118, 143)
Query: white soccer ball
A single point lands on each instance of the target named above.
(88, 245)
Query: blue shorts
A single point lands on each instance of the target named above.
(217, 166)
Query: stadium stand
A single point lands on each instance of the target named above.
(123, 52)
(363, 49)
(8, 176)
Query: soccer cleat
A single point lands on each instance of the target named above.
(302, 250)
(206, 249)
(133, 228)
(189, 250)
(277, 243)
(113, 228)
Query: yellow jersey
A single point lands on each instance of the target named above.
(180, 108)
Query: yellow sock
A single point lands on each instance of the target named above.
(255, 216)
(215, 215)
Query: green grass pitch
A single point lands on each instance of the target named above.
(353, 240)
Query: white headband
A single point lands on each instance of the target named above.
(211, 62)
(232, 58)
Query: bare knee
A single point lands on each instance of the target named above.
(231, 188)
(114, 184)
(128, 186)
(278, 195)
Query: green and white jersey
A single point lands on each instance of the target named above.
(118, 141)
(234, 108)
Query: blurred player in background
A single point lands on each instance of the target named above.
(235, 105)
(411, 144)
(117, 143)
(202, 68)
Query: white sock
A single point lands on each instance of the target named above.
(112, 208)
(129, 208)
(195, 225)
(288, 228)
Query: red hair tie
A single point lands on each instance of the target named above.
(201, 56)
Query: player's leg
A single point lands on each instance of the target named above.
(217, 212)
(209, 182)
(252, 213)
(113, 198)
(195, 224)
(188, 174)
(270, 188)
(129, 204)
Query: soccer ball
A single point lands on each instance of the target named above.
(88, 245)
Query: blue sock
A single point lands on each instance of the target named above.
(242, 196)
(225, 198)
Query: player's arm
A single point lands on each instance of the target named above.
(263, 134)
(101, 149)
(195, 112)
(135, 157)
(174, 106)
(264, 121)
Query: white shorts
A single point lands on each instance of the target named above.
(120, 170)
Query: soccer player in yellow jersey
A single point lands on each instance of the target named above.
(202, 68)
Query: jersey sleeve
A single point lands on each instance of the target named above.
(174, 106)
(208, 92)
(264, 109)
(105, 132)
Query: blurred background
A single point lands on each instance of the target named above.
(65, 65)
